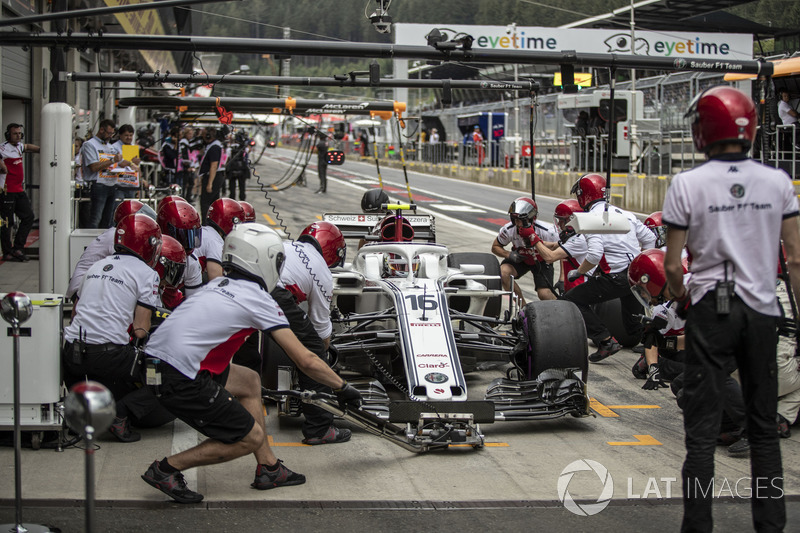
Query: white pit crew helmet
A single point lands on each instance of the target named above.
(256, 250)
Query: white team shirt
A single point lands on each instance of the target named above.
(783, 112)
(296, 278)
(109, 294)
(618, 250)
(100, 248)
(192, 275)
(509, 234)
(11, 154)
(211, 245)
(733, 211)
(206, 330)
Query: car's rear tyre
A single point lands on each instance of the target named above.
(490, 267)
(610, 313)
(557, 338)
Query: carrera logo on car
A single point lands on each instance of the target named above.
(432, 324)
(436, 377)
(431, 355)
(433, 365)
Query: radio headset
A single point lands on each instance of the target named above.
(12, 126)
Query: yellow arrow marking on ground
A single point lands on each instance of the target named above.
(641, 440)
(607, 412)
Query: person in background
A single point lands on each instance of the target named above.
(99, 158)
(13, 198)
(125, 133)
(188, 164)
(322, 162)
(210, 182)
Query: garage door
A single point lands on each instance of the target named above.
(16, 72)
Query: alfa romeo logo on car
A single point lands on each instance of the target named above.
(436, 377)
(585, 509)
(737, 190)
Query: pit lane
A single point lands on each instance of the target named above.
(636, 435)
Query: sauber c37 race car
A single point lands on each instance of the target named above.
(410, 319)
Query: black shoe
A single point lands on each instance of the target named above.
(639, 348)
(121, 428)
(20, 255)
(11, 256)
(783, 428)
(606, 348)
(740, 448)
(282, 477)
(334, 435)
(173, 485)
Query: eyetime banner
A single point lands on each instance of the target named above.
(681, 45)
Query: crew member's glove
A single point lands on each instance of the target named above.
(529, 234)
(654, 381)
(348, 396)
(559, 287)
(573, 275)
(514, 257)
(682, 304)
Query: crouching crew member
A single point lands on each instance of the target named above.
(116, 292)
(733, 312)
(618, 252)
(521, 232)
(306, 280)
(192, 375)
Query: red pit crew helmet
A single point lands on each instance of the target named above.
(139, 235)
(722, 115)
(523, 209)
(564, 211)
(646, 276)
(657, 226)
(172, 262)
(168, 200)
(249, 211)
(182, 222)
(589, 189)
(130, 207)
(224, 213)
(330, 240)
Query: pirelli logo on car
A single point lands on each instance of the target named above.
(426, 324)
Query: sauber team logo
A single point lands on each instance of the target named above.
(107, 268)
(737, 190)
(436, 377)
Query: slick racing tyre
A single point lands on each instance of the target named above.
(491, 267)
(610, 313)
(556, 338)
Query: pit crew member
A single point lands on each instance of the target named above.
(222, 216)
(733, 312)
(522, 232)
(306, 283)
(180, 220)
(13, 198)
(193, 376)
(103, 245)
(117, 293)
(618, 251)
(249, 211)
(170, 268)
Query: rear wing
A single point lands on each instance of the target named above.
(360, 225)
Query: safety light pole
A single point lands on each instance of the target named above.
(632, 133)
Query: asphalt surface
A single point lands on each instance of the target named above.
(369, 484)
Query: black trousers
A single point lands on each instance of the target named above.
(322, 170)
(317, 420)
(713, 343)
(239, 177)
(15, 203)
(112, 368)
(186, 178)
(601, 288)
(207, 198)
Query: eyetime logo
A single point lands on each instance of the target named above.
(585, 509)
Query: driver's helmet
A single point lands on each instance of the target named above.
(396, 266)
(523, 209)
(388, 230)
(373, 199)
(657, 226)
